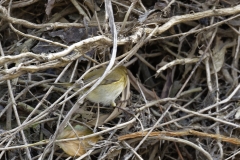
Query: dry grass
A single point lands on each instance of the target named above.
(182, 99)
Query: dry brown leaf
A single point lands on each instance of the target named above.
(219, 52)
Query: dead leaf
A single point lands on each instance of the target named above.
(219, 52)
(49, 7)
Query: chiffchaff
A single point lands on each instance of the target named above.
(111, 86)
(109, 89)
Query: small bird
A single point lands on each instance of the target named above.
(110, 87)
(77, 147)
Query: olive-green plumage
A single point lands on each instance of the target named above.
(110, 87)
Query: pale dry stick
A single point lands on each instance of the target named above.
(231, 107)
(127, 15)
(37, 38)
(56, 17)
(178, 126)
(192, 51)
(17, 71)
(133, 151)
(217, 98)
(145, 62)
(134, 50)
(47, 26)
(142, 93)
(23, 92)
(7, 59)
(2, 1)
(13, 106)
(8, 143)
(74, 71)
(179, 140)
(132, 61)
(98, 23)
(192, 7)
(98, 115)
(208, 74)
(198, 30)
(187, 116)
(46, 120)
(171, 44)
(48, 92)
(232, 68)
(169, 5)
(104, 150)
(141, 4)
(119, 126)
(206, 116)
(207, 66)
(144, 100)
(65, 69)
(193, 90)
(236, 60)
(134, 38)
(109, 11)
(86, 154)
(27, 108)
(151, 55)
(176, 62)
(123, 5)
(234, 29)
(88, 14)
(32, 68)
(33, 120)
(190, 115)
(130, 53)
(104, 130)
(27, 24)
(21, 69)
(198, 63)
(171, 52)
(149, 132)
(156, 102)
(80, 10)
(20, 4)
(183, 37)
(97, 40)
(184, 18)
(191, 17)
(191, 101)
(23, 146)
(233, 156)
(60, 116)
